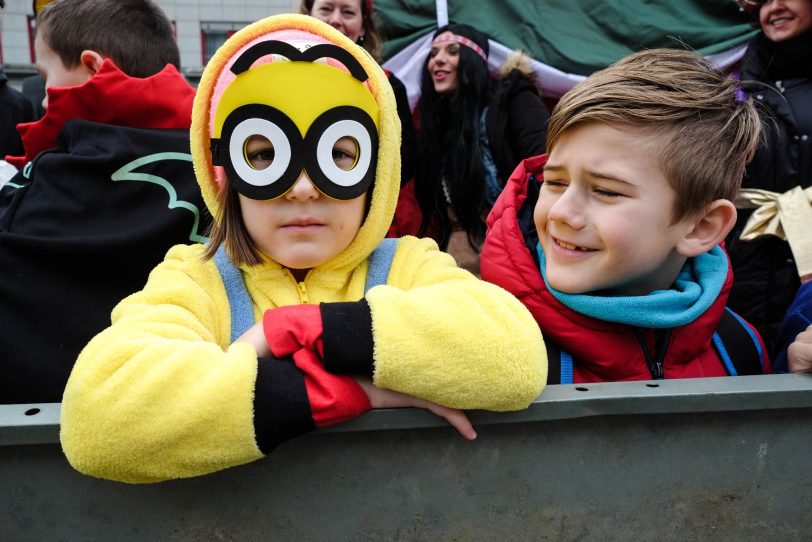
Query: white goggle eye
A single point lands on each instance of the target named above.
(260, 151)
(334, 152)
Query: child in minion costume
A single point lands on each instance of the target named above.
(230, 350)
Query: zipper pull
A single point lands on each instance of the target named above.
(302, 292)
(654, 360)
(656, 370)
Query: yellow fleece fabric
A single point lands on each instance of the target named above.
(162, 393)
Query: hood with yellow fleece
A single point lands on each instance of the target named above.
(221, 89)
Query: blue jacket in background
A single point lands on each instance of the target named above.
(798, 318)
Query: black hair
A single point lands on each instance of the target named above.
(448, 145)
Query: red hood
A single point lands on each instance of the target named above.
(163, 100)
(605, 351)
(505, 259)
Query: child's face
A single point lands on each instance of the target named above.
(303, 228)
(50, 66)
(604, 214)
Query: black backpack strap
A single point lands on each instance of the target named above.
(738, 346)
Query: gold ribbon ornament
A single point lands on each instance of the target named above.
(787, 216)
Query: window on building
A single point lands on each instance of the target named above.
(215, 34)
(32, 32)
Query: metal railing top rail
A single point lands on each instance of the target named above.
(22, 424)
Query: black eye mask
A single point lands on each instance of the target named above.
(293, 153)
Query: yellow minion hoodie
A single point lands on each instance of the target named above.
(165, 393)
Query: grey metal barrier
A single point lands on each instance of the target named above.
(699, 459)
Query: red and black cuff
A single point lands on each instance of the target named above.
(347, 338)
(281, 405)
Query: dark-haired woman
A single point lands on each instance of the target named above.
(472, 133)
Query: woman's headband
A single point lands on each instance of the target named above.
(462, 40)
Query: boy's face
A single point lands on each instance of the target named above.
(302, 228)
(604, 214)
(50, 66)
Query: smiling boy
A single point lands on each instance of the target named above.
(621, 262)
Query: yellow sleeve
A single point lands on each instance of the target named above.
(160, 394)
(441, 334)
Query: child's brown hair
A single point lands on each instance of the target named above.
(134, 34)
(702, 133)
(228, 228)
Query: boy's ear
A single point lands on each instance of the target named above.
(709, 229)
(91, 61)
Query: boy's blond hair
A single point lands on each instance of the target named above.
(702, 133)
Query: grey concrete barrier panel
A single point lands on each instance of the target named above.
(675, 460)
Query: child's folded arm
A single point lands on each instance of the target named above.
(440, 334)
(436, 332)
(158, 395)
(155, 396)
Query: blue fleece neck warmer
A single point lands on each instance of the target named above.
(695, 290)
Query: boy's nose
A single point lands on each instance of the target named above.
(303, 189)
(567, 210)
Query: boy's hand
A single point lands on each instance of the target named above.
(382, 398)
(255, 336)
(799, 353)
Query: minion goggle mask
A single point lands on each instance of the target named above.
(280, 118)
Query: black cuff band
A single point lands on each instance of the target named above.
(281, 405)
(347, 335)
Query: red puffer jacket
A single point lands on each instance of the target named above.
(584, 349)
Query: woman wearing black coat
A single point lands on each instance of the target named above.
(776, 73)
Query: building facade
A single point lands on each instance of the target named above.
(201, 26)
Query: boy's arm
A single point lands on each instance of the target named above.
(434, 332)
(161, 394)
